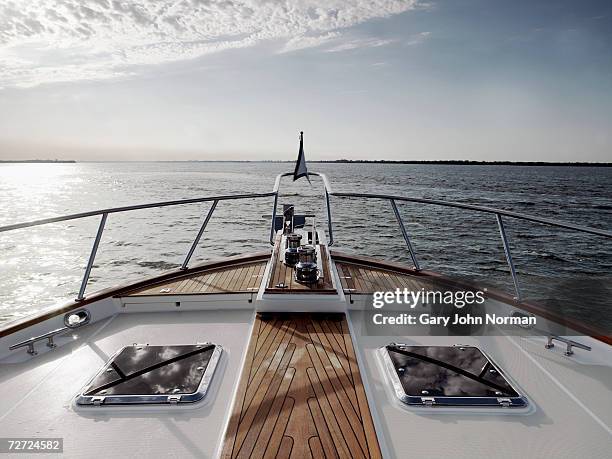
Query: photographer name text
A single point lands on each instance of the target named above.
(445, 321)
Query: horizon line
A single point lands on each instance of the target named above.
(332, 161)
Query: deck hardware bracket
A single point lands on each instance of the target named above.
(428, 401)
(50, 343)
(29, 343)
(505, 402)
(97, 401)
(174, 399)
(569, 343)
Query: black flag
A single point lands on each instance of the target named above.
(300, 165)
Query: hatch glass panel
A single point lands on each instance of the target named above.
(448, 376)
(143, 374)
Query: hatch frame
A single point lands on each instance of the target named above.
(444, 401)
(118, 400)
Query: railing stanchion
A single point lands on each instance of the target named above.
(272, 224)
(329, 219)
(92, 257)
(405, 234)
(199, 236)
(502, 233)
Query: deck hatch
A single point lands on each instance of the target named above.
(447, 376)
(143, 374)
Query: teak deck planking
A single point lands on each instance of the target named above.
(233, 279)
(300, 394)
(359, 279)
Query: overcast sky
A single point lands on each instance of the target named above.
(367, 79)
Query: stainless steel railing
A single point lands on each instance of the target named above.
(499, 213)
(327, 189)
(104, 213)
(483, 209)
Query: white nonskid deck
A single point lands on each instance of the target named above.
(571, 414)
(570, 417)
(38, 394)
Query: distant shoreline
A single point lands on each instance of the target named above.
(433, 162)
(470, 163)
(335, 161)
(44, 161)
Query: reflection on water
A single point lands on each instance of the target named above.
(43, 266)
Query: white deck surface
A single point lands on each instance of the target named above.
(571, 396)
(37, 395)
(572, 399)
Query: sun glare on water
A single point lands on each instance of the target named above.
(31, 173)
(30, 259)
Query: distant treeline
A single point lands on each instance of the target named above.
(449, 161)
(469, 163)
(37, 161)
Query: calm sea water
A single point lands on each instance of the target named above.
(567, 271)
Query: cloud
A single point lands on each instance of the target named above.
(359, 43)
(304, 41)
(418, 38)
(333, 42)
(65, 40)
